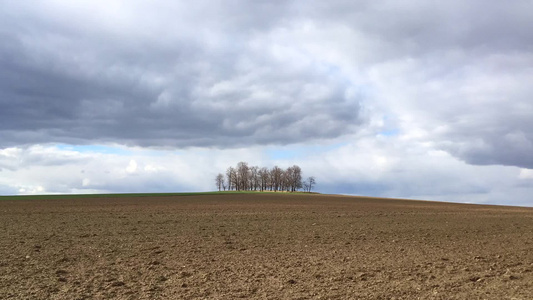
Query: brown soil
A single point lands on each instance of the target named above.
(264, 246)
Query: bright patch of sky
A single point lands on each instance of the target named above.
(392, 132)
(102, 149)
(298, 152)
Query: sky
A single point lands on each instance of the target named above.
(408, 99)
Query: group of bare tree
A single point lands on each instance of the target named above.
(253, 178)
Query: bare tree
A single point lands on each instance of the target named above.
(297, 177)
(293, 178)
(220, 182)
(276, 176)
(310, 181)
(306, 186)
(287, 179)
(242, 175)
(254, 178)
(231, 175)
(264, 177)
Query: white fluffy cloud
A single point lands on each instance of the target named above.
(53, 169)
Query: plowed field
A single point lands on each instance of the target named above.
(263, 246)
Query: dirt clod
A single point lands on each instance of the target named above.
(117, 283)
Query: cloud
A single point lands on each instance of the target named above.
(53, 169)
(479, 112)
(526, 174)
(252, 73)
(453, 73)
(221, 81)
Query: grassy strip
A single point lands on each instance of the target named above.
(81, 196)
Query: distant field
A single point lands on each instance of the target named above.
(125, 195)
(261, 246)
(134, 195)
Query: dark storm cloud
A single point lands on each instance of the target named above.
(503, 137)
(420, 27)
(192, 82)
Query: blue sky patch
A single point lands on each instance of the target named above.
(391, 132)
(300, 151)
(94, 149)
